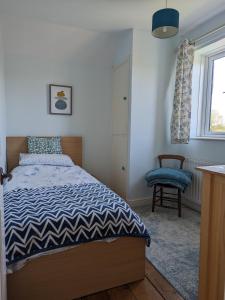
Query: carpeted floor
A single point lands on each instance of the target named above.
(174, 249)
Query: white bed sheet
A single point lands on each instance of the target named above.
(35, 176)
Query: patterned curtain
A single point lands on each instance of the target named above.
(181, 116)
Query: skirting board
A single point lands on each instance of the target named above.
(148, 201)
(190, 204)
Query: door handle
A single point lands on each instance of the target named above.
(4, 176)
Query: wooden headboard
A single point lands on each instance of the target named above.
(71, 146)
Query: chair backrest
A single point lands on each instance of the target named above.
(171, 156)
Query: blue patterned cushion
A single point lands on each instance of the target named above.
(44, 145)
(176, 177)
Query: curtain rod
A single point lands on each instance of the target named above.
(207, 34)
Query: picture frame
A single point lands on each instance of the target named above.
(60, 99)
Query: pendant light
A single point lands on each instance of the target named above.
(165, 23)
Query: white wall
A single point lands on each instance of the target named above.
(38, 54)
(27, 99)
(151, 68)
(203, 150)
(123, 50)
(2, 105)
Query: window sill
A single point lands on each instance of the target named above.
(208, 138)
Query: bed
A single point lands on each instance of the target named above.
(76, 270)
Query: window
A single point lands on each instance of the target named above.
(208, 118)
(217, 110)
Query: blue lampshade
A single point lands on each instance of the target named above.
(165, 23)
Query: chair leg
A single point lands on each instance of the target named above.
(161, 196)
(154, 198)
(179, 203)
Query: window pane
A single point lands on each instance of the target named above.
(217, 118)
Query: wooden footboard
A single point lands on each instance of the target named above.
(83, 270)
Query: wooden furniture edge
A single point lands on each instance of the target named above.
(217, 169)
(71, 145)
(162, 157)
(212, 239)
(80, 271)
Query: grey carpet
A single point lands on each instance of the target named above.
(174, 249)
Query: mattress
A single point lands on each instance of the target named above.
(53, 208)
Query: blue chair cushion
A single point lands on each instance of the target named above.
(175, 177)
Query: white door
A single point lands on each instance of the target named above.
(120, 113)
(119, 164)
(120, 101)
(2, 251)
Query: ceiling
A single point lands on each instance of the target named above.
(110, 15)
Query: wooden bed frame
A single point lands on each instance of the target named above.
(71, 146)
(82, 270)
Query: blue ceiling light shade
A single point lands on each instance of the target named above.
(165, 23)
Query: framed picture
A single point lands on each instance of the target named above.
(60, 99)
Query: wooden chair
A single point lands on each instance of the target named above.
(158, 189)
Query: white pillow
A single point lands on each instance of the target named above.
(27, 159)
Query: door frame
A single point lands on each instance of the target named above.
(3, 277)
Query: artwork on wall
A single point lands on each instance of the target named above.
(60, 99)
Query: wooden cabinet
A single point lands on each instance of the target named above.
(212, 249)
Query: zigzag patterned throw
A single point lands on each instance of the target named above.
(42, 219)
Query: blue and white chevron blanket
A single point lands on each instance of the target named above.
(42, 219)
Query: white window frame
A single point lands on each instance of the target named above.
(208, 89)
(202, 85)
